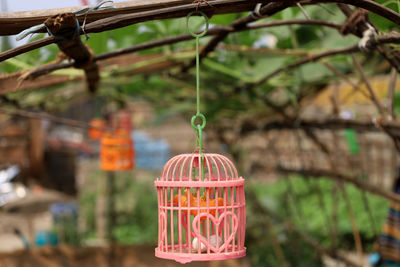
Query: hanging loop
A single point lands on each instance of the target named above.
(203, 123)
(199, 13)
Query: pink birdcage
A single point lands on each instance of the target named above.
(201, 211)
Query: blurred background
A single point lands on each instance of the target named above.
(319, 171)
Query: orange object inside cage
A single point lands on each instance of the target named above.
(97, 129)
(116, 151)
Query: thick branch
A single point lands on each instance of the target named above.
(128, 13)
(13, 52)
(125, 14)
(165, 41)
(64, 26)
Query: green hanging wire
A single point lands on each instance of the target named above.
(199, 127)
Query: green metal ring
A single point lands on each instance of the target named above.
(187, 24)
(193, 121)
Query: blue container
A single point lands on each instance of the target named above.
(59, 210)
(45, 238)
(151, 154)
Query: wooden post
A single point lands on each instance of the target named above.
(110, 205)
(111, 215)
(36, 148)
(101, 210)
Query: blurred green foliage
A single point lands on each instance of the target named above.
(140, 226)
(135, 203)
(397, 103)
(298, 198)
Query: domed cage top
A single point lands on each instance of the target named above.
(201, 211)
(185, 167)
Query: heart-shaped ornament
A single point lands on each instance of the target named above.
(199, 219)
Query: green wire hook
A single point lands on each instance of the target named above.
(199, 127)
(198, 36)
(188, 28)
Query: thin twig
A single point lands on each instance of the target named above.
(303, 11)
(356, 232)
(391, 92)
(313, 58)
(356, 88)
(323, 124)
(262, 50)
(315, 188)
(340, 184)
(368, 85)
(275, 243)
(56, 119)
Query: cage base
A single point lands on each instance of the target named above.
(189, 257)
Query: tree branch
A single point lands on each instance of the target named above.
(319, 173)
(56, 119)
(383, 39)
(268, 10)
(64, 26)
(323, 124)
(391, 92)
(165, 41)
